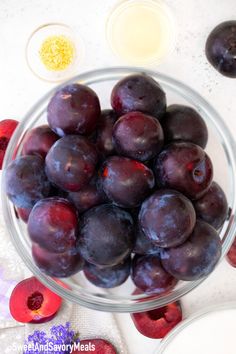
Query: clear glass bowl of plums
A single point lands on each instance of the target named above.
(127, 297)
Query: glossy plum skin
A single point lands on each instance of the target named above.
(149, 275)
(138, 136)
(104, 143)
(126, 182)
(88, 197)
(53, 224)
(74, 109)
(106, 227)
(231, 255)
(38, 141)
(60, 265)
(71, 162)
(185, 167)
(183, 123)
(167, 218)
(213, 206)
(23, 214)
(138, 92)
(143, 245)
(221, 48)
(26, 181)
(108, 277)
(7, 128)
(197, 257)
(116, 192)
(158, 322)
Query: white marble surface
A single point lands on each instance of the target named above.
(19, 89)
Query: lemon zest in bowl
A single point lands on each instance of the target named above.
(57, 52)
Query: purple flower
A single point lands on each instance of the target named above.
(55, 343)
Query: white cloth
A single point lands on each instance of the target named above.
(89, 323)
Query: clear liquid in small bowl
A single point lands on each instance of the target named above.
(141, 32)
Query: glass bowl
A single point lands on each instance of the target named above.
(158, 35)
(35, 42)
(215, 324)
(221, 148)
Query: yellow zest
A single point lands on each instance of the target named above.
(57, 53)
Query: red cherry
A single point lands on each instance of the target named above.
(7, 127)
(158, 322)
(31, 301)
(95, 346)
(231, 256)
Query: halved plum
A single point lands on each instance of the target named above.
(7, 128)
(158, 322)
(231, 255)
(31, 301)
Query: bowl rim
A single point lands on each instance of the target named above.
(110, 302)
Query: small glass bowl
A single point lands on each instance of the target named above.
(198, 319)
(221, 148)
(167, 32)
(34, 44)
